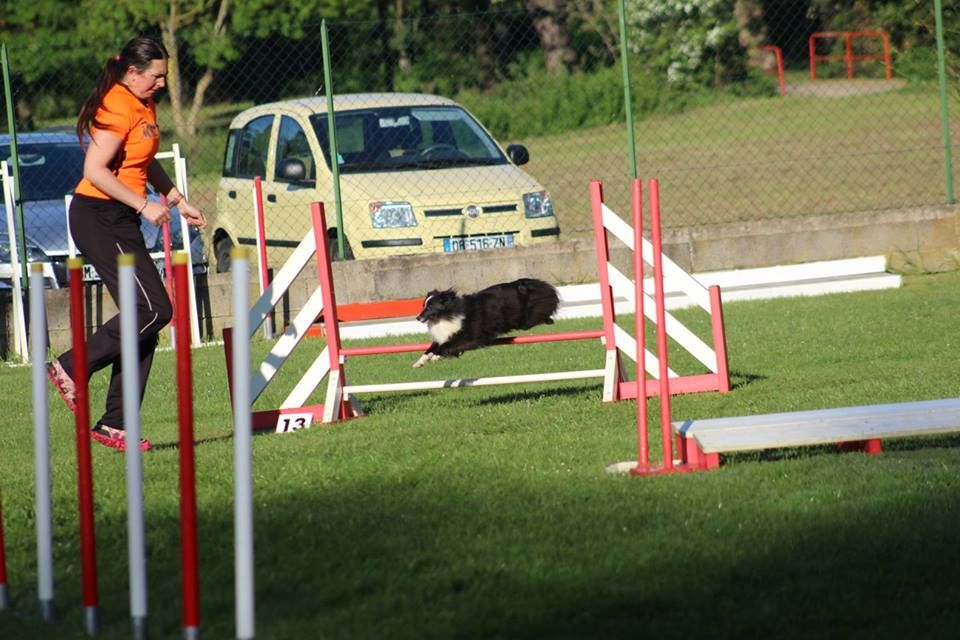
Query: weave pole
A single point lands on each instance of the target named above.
(242, 450)
(41, 444)
(88, 543)
(130, 358)
(190, 579)
(4, 591)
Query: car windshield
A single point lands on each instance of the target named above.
(49, 170)
(404, 138)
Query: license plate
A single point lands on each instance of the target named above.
(90, 273)
(500, 241)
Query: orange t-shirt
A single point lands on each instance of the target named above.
(122, 114)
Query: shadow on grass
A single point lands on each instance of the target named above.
(391, 402)
(915, 443)
(199, 442)
(741, 379)
(448, 555)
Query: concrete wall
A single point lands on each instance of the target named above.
(915, 240)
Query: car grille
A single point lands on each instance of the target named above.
(496, 208)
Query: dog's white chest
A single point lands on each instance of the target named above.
(443, 330)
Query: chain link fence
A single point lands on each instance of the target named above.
(470, 131)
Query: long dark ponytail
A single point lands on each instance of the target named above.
(139, 53)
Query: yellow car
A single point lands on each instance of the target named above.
(418, 174)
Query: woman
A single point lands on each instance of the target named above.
(120, 119)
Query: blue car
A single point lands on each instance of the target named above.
(51, 165)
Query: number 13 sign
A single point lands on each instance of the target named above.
(290, 422)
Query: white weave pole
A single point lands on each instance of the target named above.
(130, 361)
(41, 443)
(242, 448)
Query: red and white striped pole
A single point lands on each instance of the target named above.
(88, 543)
(190, 580)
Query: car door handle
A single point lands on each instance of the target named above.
(271, 197)
(232, 195)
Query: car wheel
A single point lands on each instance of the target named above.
(221, 250)
(334, 247)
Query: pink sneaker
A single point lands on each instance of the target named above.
(63, 384)
(114, 438)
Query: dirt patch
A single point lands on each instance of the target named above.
(844, 88)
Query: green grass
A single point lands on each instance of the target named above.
(488, 513)
(759, 158)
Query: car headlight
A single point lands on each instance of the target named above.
(391, 215)
(537, 204)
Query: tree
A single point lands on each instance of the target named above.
(202, 38)
(48, 66)
(549, 19)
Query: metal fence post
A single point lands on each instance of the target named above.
(331, 127)
(944, 111)
(627, 99)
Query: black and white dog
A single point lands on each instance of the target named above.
(460, 323)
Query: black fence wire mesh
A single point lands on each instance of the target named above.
(481, 130)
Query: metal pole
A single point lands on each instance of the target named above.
(627, 100)
(14, 160)
(243, 457)
(136, 529)
(41, 444)
(944, 109)
(332, 131)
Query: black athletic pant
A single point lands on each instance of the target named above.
(102, 230)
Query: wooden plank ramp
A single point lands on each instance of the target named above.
(713, 436)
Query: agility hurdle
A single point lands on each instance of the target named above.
(340, 401)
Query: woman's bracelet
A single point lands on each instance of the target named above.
(146, 201)
(172, 202)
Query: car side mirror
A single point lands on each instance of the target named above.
(518, 154)
(291, 170)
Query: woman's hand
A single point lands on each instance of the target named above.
(156, 213)
(192, 214)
